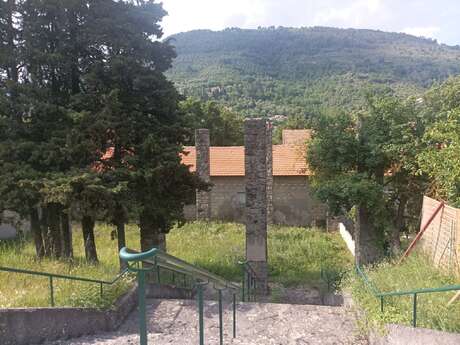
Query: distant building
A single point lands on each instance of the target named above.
(293, 203)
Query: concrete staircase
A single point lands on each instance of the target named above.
(176, 322)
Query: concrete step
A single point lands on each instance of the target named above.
(176, 322)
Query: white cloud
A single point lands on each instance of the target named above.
(211, 14)
(355, 13)
(423, 31)
(386, 15)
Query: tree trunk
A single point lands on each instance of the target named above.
(66, 235)
(45, 233)
(366, 239)
(36, 228)
(151, 236)
(87, 226)
(121, 237)
(12, 70)
(54, 229)
(398, 226)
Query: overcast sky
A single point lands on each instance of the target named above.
(439, 19)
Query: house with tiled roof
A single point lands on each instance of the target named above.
(293, 202)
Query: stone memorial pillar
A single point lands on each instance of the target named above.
(269, 174)
(255, 144)
(203, 198)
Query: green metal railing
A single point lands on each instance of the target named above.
(53, 276)
(415, 292)
(249, 282)
(155, 260)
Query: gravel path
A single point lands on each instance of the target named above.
(175, 322)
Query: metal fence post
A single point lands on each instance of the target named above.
(221, 322)
(142, 316)
(234, 315)
(414, 311)
(51, 291)
(243, 283)
(157, 270)
(200, 313)
(381, 304)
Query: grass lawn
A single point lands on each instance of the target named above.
(415, 272)
(295, 258)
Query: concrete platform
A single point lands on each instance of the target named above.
(175, 322)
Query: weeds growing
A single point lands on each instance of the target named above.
(415, 272)
(295, 258)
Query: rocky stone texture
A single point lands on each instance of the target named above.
(175, 322)
(203, 198)
(255, 145)
(269, 137)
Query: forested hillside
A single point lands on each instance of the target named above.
(291, 71)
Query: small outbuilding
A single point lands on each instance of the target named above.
(292, 200)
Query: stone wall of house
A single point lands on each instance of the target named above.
(293, 203)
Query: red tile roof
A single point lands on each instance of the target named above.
(288, 160)
(296, 136)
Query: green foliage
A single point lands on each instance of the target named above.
(415, 272)
(367, 160)
(303, 71)
(225, 126)
(441, 158)
(80, 80)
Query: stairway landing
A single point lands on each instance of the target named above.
(175, 322)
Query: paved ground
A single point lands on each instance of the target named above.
(175, 322)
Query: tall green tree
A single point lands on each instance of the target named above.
(441, 158)
(129, 113)
(365, 166)
(225, 126)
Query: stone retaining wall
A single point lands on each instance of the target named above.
(27, 326)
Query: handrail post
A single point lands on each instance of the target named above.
(381, 304)
(248, 280)
(243, 283)
(157, 271)
(51, 291)
(142, 312)
(414, 311)
(221, 322)
(135, 265)
(200, 312)
(234, 315)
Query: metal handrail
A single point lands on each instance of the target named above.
(381, 295)
(249, 282)
(173, 263)
(51, 277)
(155, 258)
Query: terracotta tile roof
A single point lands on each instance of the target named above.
(288, 160)
(296, 136)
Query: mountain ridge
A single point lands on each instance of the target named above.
(303, 70)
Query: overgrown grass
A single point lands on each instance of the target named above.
(18, 290)
(415, 272)
(295, 254)
(295, 258)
